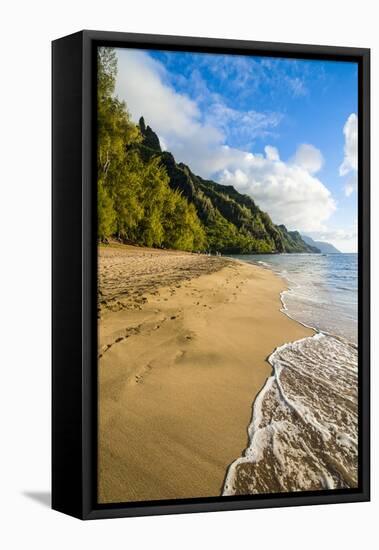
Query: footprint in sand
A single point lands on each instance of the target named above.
(104, 349)
(139, 378)
(179, 355)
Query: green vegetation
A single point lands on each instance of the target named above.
(135, 201)
(146, 198)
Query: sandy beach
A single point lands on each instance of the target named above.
(183, 343)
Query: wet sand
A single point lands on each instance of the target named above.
(183, 342)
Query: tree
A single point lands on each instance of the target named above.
(154, 192)
(182, 227)
(115, 134)
(106, 213)
(135, 201)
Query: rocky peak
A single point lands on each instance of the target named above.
(150, 138)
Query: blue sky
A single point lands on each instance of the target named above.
(281, 130)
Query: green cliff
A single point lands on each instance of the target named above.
(233, 223)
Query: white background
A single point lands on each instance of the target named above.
(27, 29)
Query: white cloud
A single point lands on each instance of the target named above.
(297, 86)
(309, 157)
(140, 82)
(243, 74)
(242, 126)
(288, 191)
(351, 186)
(272, 153)
(162, 143)
(349, 165)
(350, 130)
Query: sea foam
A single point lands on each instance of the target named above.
(304, 429)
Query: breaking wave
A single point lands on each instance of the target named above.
(304, 429)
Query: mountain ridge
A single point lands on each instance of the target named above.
(233, 222)
(324, 247)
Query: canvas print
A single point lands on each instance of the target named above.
(227, 275)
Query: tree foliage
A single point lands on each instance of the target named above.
(135, 201)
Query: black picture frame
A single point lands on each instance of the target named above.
(74, 273)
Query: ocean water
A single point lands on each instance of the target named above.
(304, 429)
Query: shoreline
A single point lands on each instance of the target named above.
(181, 363)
